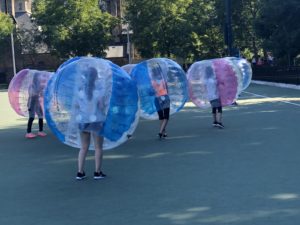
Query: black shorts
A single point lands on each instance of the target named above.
(216, 103)
(164, 114)
(215, 109)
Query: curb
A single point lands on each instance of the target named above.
(292, 86)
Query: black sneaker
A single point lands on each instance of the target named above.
(164, 133)
(220, 125)
(215, 124)
(80, 176)
(160, 135)
(99, 175)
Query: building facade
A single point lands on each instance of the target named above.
(21, 10)
(15, 7)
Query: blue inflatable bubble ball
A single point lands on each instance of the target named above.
(128, 67)
(94, 93)
(160, 77)
(246, 71)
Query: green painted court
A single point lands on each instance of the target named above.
(245, 174)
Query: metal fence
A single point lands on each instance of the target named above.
(278, 74)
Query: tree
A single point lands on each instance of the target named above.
(205, 30)
(244, 14)
(6, 25)
(179, 28)
(152, 22)
(74, 27)
(278, 26)
(28, 42)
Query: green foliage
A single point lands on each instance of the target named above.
(278, 26)
(190, 30)
(194, 29)
(74, 27)
(243, 15)
(28, 40)
(205, 30)
(185, 29)
(6, 25)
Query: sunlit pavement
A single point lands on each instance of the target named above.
(245, 174)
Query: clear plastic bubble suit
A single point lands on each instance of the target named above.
(155, 71)
(24, 84)
(128, 67)
(246, 70)
(91, 90)
(213, 79)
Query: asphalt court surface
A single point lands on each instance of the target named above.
(245, 174)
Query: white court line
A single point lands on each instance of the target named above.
(263, 96)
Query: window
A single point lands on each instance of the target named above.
(20, 6)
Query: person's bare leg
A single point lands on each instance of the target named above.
(98, 143)
(161, 123)
(85, 143)
(215, 117)
(163, 126)
(219, 117)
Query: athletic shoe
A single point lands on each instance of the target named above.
(160, 135)
(80, 176)
(220, 125)
(215, 124)
(30, 135)
(41, 134)
(99, 175)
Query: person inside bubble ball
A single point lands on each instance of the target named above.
(213, 97)
(90, 117)
(35, 93)
(162, 99)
